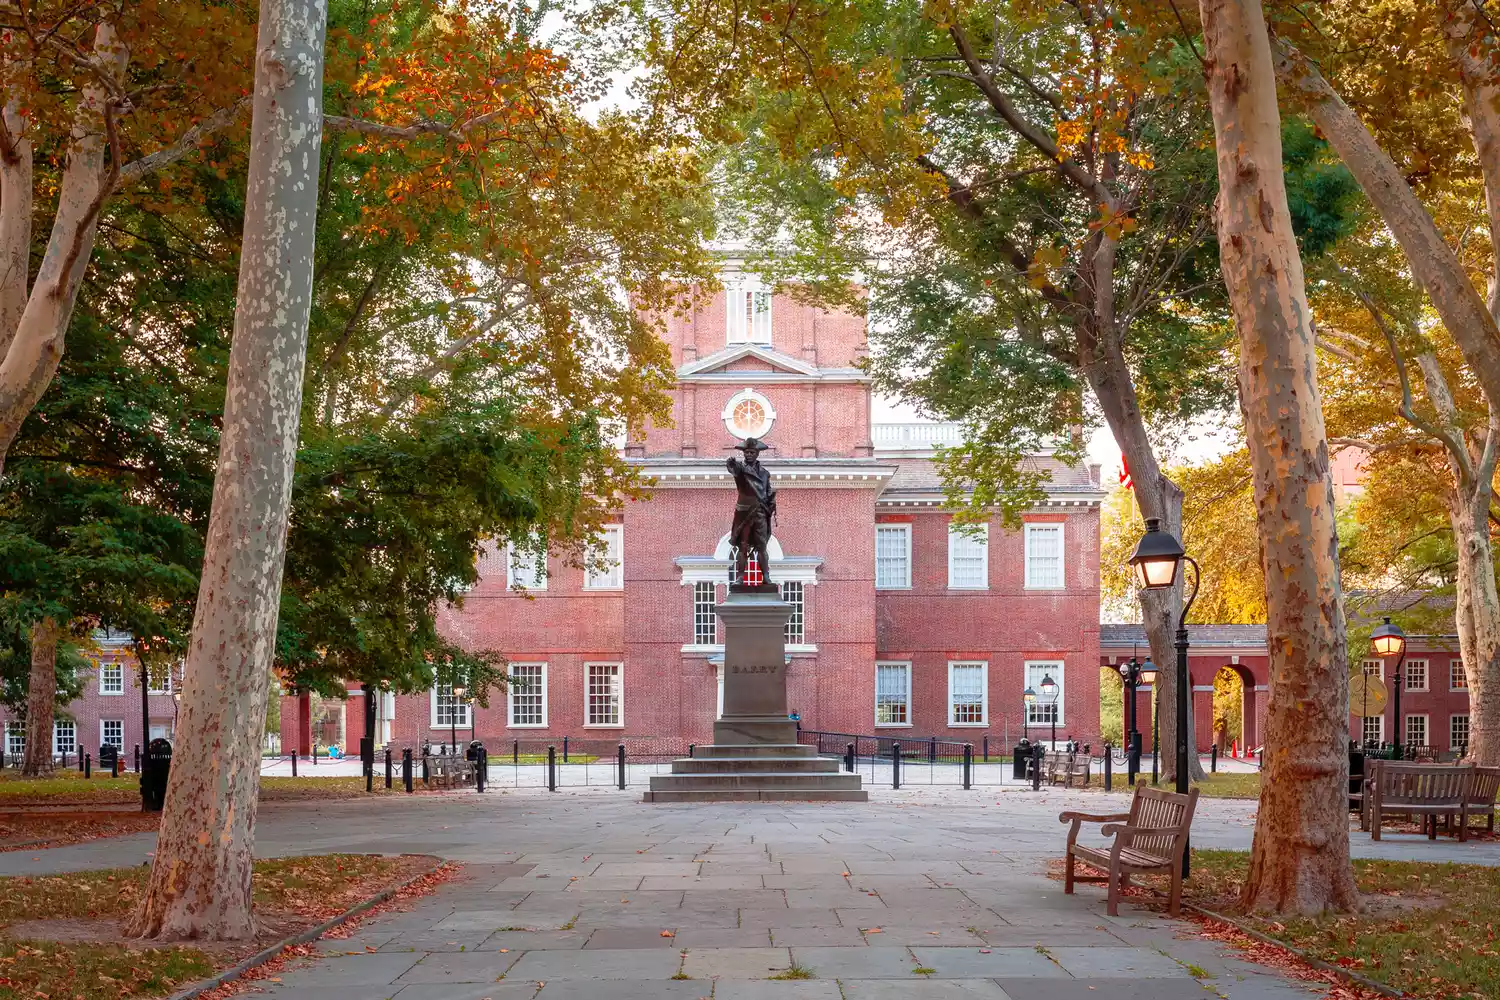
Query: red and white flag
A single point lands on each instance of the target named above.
(1125, 480)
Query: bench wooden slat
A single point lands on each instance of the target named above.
(1151, 840)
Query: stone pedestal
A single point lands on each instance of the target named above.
(755, 754)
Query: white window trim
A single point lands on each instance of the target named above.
(727, 414)
(160, 691)
(1426, 676)
(905, 530)
(1062, 555)
(120, 745)
(588, 576)
(894, 725)
(1426, 729)
(509, 692)
(984, 689)
(984, 550)
(737, 296)
(1378, 739)
(112, 694)
(62, 722)
(510, 571)
(466, 722)
(620, 678)
(1366, 662)
(1453, 744)
(1462, 672)
(1059, 670)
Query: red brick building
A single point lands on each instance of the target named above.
(902, 624)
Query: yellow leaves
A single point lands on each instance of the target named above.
(1114, 224)
(1140, 159)
(1043, 263)
(1071, 135)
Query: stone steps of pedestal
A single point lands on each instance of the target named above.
(710, 750)
(730, 765)
(758, 795)
(754, 779)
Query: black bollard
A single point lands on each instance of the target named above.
(80, 762)
(515, 752)
(968, 766)
(551, 768)
(692, 749)
(137, 758)
(406, 769)
(370, 774)
(114, 765)
(986, 748)
(1109, 774)
(1213, 759)
(849, 758)
(481, 767)
(932, 750)
(565, 749)
(294, 763)
(387, 767)
(621, 751)
(1154, 758)
(895, 765)
(1037, 756)
(424, 764)
(88, 765)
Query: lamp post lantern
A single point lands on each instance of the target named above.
(1029, 699)
(1389, 640)
(458, 699)
(1050, 692)
(1157, 560)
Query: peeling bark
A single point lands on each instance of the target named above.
(1300, 857)
(200, 881)
(36, 347)
(1473, 50)
(41, 693)
(15, 221)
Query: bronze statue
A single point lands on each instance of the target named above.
(753, 510)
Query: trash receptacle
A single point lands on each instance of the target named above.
(155, 767)
(109, 756)
(1022, 754)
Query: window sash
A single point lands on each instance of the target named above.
(1416, 730)
(705, 622)
(604, 695)
(1458, 731)
(968, 559)
(893, 694)
(1373, 729)
(796, 625)
(892, 556)
(747, 315)
(1414, 675)
(112, 731)
(1042, 712)
(611, 541)
(64, 736)
(15, 738)
(1373, 668)
(448, 712)
(967, 693)
(528, 694)
(1457, 679)
(159, 678)
(1044, 557)
(111, 678)
(526, 570)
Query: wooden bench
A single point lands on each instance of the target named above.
(449, 771)
(1395, 788)
(1064, 768)
(1484, 788)
(1148, 839)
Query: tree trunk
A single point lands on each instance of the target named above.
(1433, 263)
(41, 693)
(200, 881)
(15, 222)
(1300, 857)
(36, 347)
(1473, 50)
(1478, 614)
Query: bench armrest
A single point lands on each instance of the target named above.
(1078, 819)
(1129, 833)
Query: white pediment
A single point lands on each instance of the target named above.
(717, 364)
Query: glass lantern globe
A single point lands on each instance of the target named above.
(1156, 558)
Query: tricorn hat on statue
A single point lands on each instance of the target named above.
(752, 444)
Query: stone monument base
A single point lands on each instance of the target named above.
(756, 772)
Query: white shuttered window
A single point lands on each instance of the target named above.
(1044, 556)
(968, 558)
(892, 556)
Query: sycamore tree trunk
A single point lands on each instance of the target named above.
(200, 881)
(1478, 615)
(1300, 858)
(41, 693)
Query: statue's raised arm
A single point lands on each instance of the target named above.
(753, 507)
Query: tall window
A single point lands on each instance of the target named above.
(1044, 711)
(893, 694)
(603, 695)
(1373, 730)
(528, 694)
(111, 678)
(610, 548)
(1416, 730)
(1373, 668)
(892, 556)
(159, 678)
(1414, 675)
(749, 315)
(968, 558)
(705, 622)
(796, 631)
(15, 738)
(64, 736)
(448, 711)
(112, 731)
(967, 693)
(1457, 679)
(1458, 732)
(527, 570)
(1044, 556)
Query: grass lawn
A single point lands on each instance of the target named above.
(70, 786)
(1224, 785)
(1429, 929)
(87, 961)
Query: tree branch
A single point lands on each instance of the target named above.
(186, 143)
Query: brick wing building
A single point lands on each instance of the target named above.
(901, 624)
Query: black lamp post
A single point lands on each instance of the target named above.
(1389, 640)
(1049, 692)
(458, 699)
(1029, 699)
(1157, 559)
(1133, 674)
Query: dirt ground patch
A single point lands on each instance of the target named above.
(33, 831)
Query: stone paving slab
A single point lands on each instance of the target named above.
(936, 989)
(631, 963)
(736, 963)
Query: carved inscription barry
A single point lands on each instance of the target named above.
(755, 668)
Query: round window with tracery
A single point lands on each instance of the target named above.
(748, 414)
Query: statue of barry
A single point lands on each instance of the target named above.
(753, 510)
